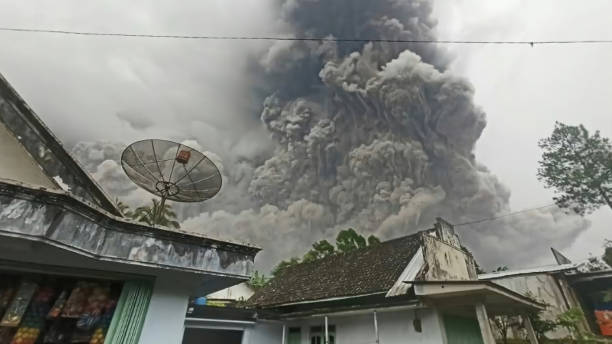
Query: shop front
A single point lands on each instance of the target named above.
(51, 308)
(73, 269)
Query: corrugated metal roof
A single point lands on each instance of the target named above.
(536, 270)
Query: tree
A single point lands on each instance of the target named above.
(283, 265)
(257, 281)
(147, 213)
(540, 325)
(320, 249)
(578, 166)
(349, 240)
(502, 325)
(124, 208)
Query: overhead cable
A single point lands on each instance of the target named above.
(502, 216)
(314, 39)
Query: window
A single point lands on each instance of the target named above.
(317, 334)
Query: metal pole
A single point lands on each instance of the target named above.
(376, 327)
(326, 332)
(284, 334)
(157, 217)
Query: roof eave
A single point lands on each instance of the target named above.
(61, 220)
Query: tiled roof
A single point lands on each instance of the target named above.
(364, 271)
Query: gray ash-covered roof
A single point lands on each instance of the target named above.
(364, 271)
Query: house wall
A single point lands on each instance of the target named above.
(544, 288)
(444, 262)
(164, 323)
(394, 327)
(17, 164)
(263, 333)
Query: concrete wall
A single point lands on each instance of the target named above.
(263, 333)
(394, 328)
(17, 164)
(444, 262)
(544, 288)
(166, 315)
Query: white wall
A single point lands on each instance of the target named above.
(394, 328)
(17, 164)
(263, 333)
(545, 289)
(166, 315)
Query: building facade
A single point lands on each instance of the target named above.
(72, 268)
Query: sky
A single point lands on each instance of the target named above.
(525, 90)
(120, 90)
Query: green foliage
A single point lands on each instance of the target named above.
(578, 166)
(373, 240)
(146, 214)
(501, 268)
(124, 208)
(539, 324)
(349, 240)
(502, 325)
(257, 281)
(572, 320)
(320, 249)
(280, 267)
(346, 241)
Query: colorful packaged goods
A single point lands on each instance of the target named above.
(56, 310)
(96, 303)
(26, 335)
(100, 333)
(59, 332)
(75, 305)
(6, 295)
(19, 305)
(34, 320)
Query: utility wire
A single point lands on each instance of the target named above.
(502, 216)
(315, 39)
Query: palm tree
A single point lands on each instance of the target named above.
(151, 214)
(124, 208)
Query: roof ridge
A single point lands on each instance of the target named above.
(338, 254)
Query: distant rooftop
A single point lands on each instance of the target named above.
(365, 271)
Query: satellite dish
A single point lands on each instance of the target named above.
(171, 171)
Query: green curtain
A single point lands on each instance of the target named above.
(130, 313)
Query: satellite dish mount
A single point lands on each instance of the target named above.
(171, 171)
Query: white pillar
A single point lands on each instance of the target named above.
(283, 340)
(533, 339)
(326, 332)
(483, 323)
(376, 328)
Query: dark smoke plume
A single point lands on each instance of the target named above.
(376, 136)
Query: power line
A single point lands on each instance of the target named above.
(502, 216)
(312, 39)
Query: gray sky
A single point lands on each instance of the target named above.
(524, 90)
(112, 89)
